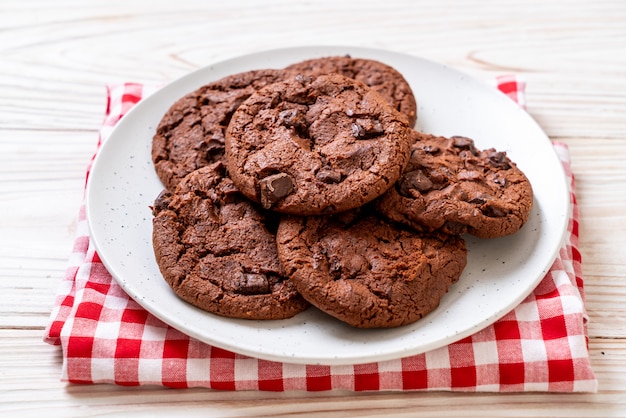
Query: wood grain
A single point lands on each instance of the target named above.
(56, 58)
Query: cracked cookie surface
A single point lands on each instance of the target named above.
(451, 186)
(367, 272)
(191, 133)
(316, 145)
(218, 251)
(384, 79)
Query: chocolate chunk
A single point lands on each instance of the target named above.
(274, 188)
(251, 284)
(349, 267)
(357, 131)
(499, 159)
(462, 142)
(494, 211)
(293, 118)
(500, 180)
(328, 176)
(367, 128)
(303, 79)
(416, 180)
(161, 202)
(477, 200)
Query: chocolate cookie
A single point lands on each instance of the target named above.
(316, 145)
(383, 78)
(191, 134)
(218, 252)
(450, 185)
(366, 271)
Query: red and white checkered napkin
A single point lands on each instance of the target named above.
(106, 337)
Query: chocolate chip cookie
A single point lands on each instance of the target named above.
(367, 272)
(313, 145)
(383, 78)
(451, 186)
(218, 251)
(191, 133)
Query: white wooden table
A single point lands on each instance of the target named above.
(56, 57)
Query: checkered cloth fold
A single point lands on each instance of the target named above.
(106, 337)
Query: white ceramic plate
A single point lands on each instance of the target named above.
(500, 273)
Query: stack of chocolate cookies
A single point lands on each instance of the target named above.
(308, 185)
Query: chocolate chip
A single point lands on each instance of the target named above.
(462, 142)
(303, 79)
(416, 180)
(328, 176)
(440, 175)
(477, 201)
(357, 131)
(348, 267)
(494, 211)
(294, 119)
(274, 188)
(500, 180)
(251, 284)
(467, 154)
(161, 202)
(290, 117)
(366, 128)
(499, 159)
